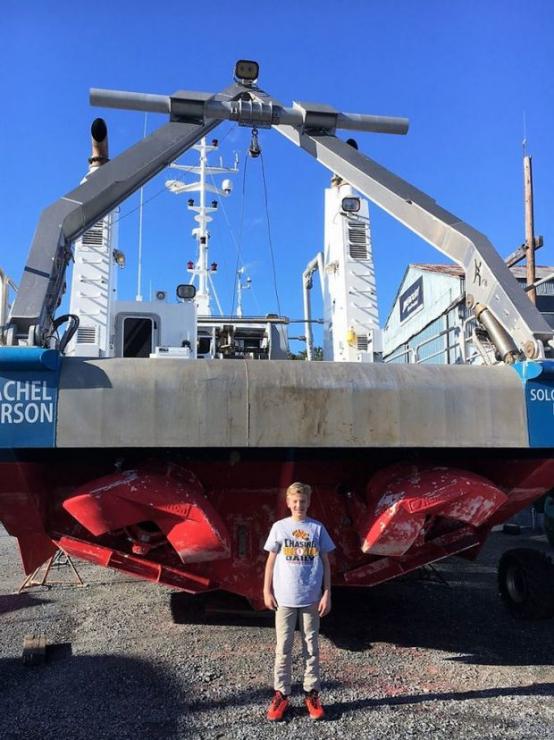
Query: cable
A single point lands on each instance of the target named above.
(226, 134)
(225, 214)
(240, 234)
(133, 210)
(269, 237)
(129, 213)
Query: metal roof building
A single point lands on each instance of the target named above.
(429, 321)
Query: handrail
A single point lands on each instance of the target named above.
(442, 333)
(5, 284)
(408, 351)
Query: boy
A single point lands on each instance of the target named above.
(297, 566)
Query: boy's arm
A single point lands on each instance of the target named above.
(325, 602)
(269, 598)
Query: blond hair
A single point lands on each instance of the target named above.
(301, 488)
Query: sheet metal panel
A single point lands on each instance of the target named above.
(124, 402)
(538, 383)
(28, 396)
(237, 403)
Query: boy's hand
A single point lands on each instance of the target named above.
(325, 604)
(269, 601)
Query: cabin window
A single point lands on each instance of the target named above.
(137, 336)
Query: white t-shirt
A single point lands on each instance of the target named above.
(298, 572)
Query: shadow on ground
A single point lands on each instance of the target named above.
(458, 612)
(89, 696)
(334, 711)
(470, 622)
(13, 602)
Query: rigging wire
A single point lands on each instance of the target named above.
(228, 222)
(242, 208)
(133, 210)
(226, 134)
(162, 190)
(269, 237)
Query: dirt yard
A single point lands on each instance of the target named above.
(128, 659)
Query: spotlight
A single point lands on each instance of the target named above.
(119, 258)
(247, 72)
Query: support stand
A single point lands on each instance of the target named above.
(59, 560)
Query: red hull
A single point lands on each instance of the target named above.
(200, 525)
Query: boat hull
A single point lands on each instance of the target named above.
(197, 519)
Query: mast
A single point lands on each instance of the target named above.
(240, 287)
(202, 270)
(529, 228)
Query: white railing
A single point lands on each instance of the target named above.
(462, 340)
(6, 284)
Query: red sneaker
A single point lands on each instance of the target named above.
(315, 709)
(278, 707)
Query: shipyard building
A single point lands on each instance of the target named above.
(430, 323)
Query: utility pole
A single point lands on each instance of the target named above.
(529, 227)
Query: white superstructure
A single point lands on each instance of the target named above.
(93, 287)
(94, 279)
(351, 314)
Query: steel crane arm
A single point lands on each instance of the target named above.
(43, 281)
(489, 283)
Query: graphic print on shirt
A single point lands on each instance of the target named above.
(300, 549)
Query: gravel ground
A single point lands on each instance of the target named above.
(128, 659)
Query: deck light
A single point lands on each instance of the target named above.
(213, 267)
(119, 258)
(190, 265)
(246, 72)
(214, 203)
(186, 292)
(350, 205)
(190, 202)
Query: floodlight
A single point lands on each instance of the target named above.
(246, 72)
(350, 205)
(186, 292)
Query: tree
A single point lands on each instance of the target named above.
(317, 354)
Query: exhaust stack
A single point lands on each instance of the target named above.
(99, 134)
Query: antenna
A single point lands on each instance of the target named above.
(141, 208)
(202, 270)
(240, 287)
(524, 141)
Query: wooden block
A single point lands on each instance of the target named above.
(34, 649)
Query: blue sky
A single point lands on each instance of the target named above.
(465, 73)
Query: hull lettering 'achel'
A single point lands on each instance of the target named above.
(156, 439)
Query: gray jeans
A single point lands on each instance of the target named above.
(285, 623)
